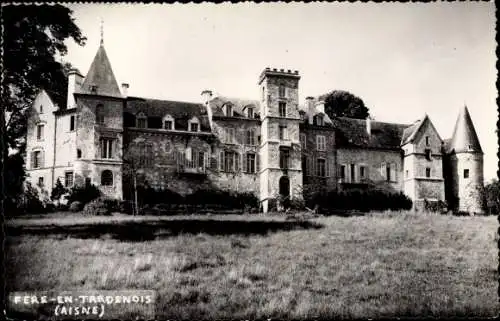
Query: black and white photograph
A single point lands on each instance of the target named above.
(250, 161)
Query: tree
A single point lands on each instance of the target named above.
(492, 197)
(340, 103)
(33, 35)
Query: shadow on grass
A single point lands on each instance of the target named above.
(144, 231)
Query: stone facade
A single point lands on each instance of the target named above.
(270, 147)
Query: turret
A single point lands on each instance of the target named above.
(465, 158)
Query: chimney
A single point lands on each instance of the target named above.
(125, 88)
(320, 106)
(368, 125)
(206, 96)
(75, 80)
(309, 102)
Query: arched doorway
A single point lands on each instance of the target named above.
(285, 190)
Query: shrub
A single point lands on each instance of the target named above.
(435, 206)
(76, 206)
(30, 201)
(58, 191)
(84, 194)
(98, 207)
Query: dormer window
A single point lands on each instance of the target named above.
(194, 125)
(93, 89)
(319, 120)
(250, 113)
(168, 122)
(141, 121)
(228, 110)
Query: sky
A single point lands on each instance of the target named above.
(404, 60)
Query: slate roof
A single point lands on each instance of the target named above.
(464, 137)
(100, 74)
(411, 131)
(181, 111)
(217, 103)
(352, 132)
(57, 98)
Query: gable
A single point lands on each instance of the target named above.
(427, 137)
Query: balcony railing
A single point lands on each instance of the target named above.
(195, 165)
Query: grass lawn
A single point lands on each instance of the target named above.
(258, 267)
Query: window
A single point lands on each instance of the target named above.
(283, 133)
(320, 143)
(250, 113)
(362, 172)
(106, 147)
(427, 141)
(141, 122)
(229, 161)
(167, 124)
(39, 131)
(321, 167)
(406, 173)
(41, 109)
(303, 143)
(250, 137)
(68, 179)
(229, 110)
(93, 89)
(284, 159)
(466, 173)
(78, 153)
(263, 93)
(250, 163)
(320, 120)
(37, 159)
(342, 173)
(428, 154)
(388, 172)
(282, 91)
(107, 178)
(427, 172)
(72, 123)
(353, 173)
(145, 155)
(99, 114)
(230, 136)
(194, 127)
(282, 108)
(40, 181)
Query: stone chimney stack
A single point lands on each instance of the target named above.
(309, 102)
(320, 106)
(206, 96)
(368, 125)
(75, 80)
(125, 88)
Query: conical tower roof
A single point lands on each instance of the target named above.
(100, 76)
(464, 137)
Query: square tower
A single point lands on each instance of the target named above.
(281, 170)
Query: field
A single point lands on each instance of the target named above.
(381, 264)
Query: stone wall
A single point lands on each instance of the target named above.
(310, 154)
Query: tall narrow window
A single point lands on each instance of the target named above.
(194, 127)
(41, 109)
(282, 91)
(353, 173)
(37, 159)
(106, 147)
(107, 178)
(428, 172)
(78, 153)
(72, 123)
(250, 163)
(342, 173)
(428, 154)
(167, 124)
(320, 142)
(68, 179)
(250, 137)
(284, 159)
(388, 172)
(362, 172)
(321, 167)
(250, 113)
(99, 114)
(39, 131)
(466, 173)
(319, 120)
(142, 121)
(427, 141)
(40, 181)
(229, 110)
(282, 108)
(283, 133)
(263, 93)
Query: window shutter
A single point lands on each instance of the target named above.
(257, 162)
(221, 160)
(244, 163)
(237, 159)
(367, 173)
(327, 168)
(42, 158)
(383, 171)
(393, 172)
(314, 161)
(32, 160)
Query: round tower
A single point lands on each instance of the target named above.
(466, 166)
